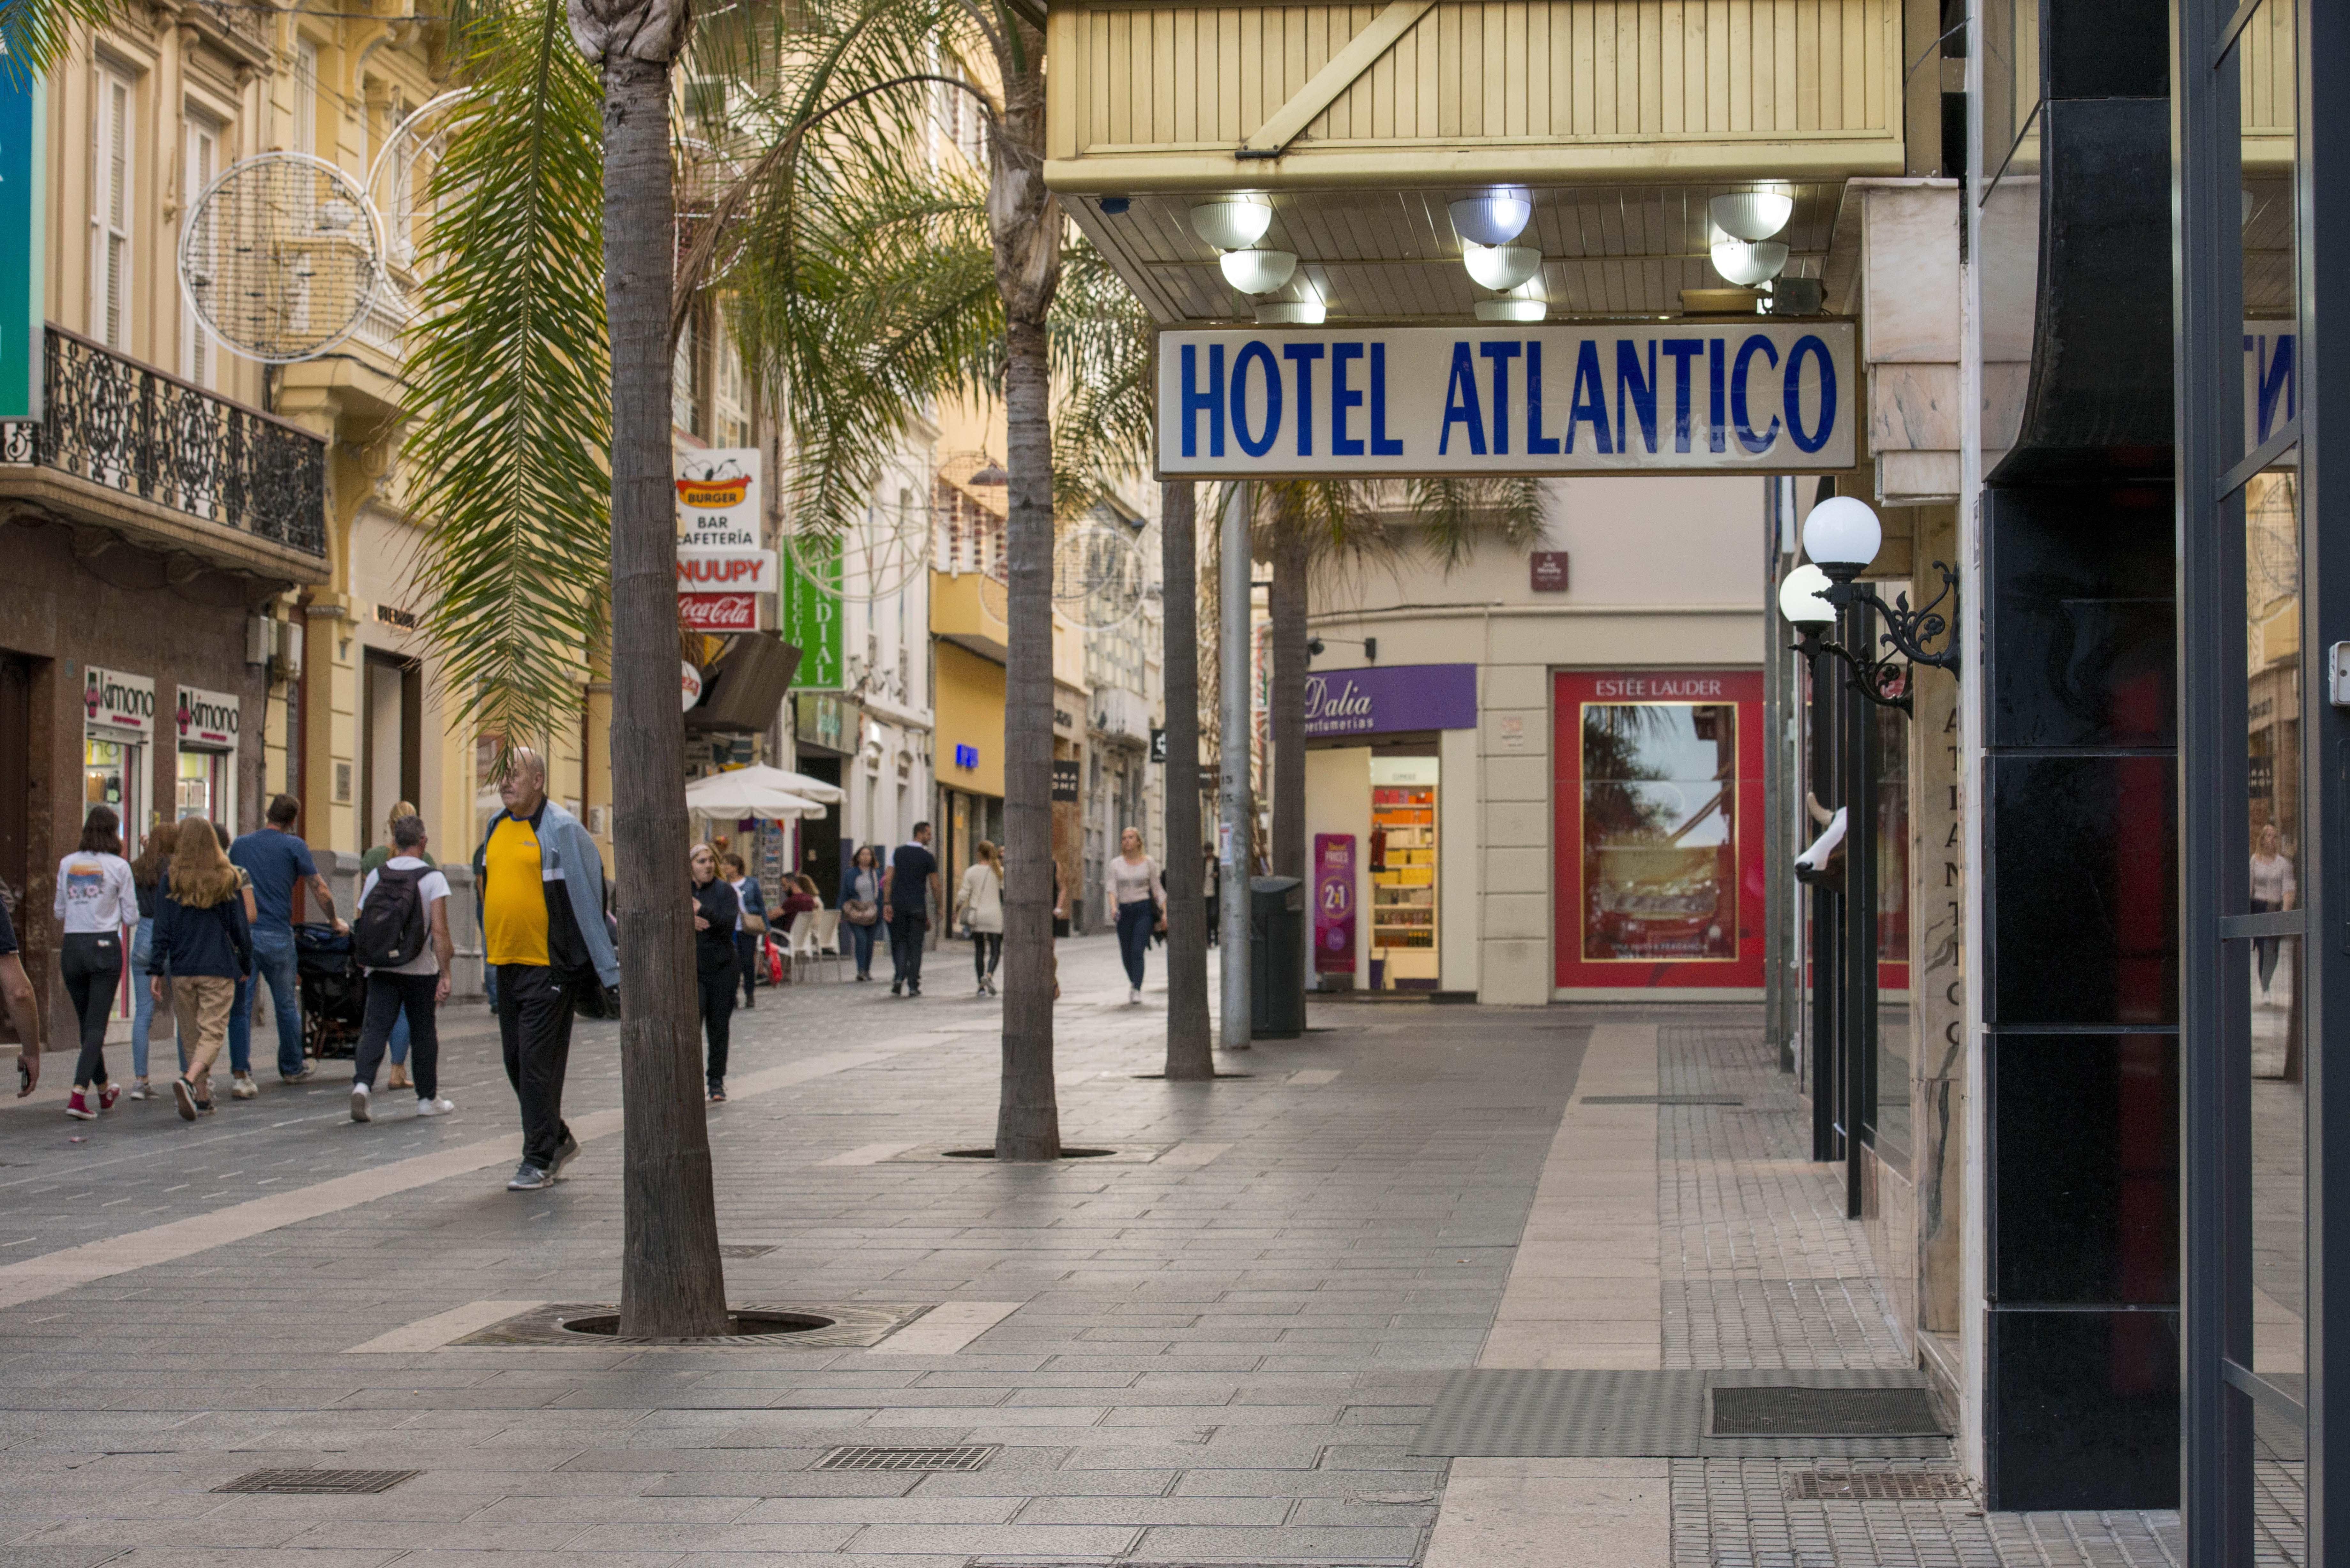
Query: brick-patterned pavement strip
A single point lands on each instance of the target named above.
(1219, 1358)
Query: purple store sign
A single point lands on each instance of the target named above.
(1387, 698)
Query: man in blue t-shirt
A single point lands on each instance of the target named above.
(905, 893)
(275, 860)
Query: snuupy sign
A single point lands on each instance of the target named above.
(1714, 396)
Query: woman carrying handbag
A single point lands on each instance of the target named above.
(979, 906)
(860, 904)
(1132, 887)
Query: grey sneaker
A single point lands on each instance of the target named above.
(528, 1178)
(304, 1077)
(139, 1090)
(359, 1109)
(564, 1155)
(243, 1087)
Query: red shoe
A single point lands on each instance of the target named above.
(108, 1095)
(77, 1110)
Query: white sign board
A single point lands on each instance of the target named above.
(1357, 403)
(207, 721)
(718, 497)
(701, 571)
(117, 704)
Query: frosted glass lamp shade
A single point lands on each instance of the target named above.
(1799, 597)
(1494, 218)
(1751, 216)
(1257, 272)
(1841, 532)
(1746, 264)
(1512, 310)
(1501, 267)
(1233, 224)
(1292, 313)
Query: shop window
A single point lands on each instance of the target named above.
(1660, 827)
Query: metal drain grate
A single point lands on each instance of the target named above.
(1662, 1100)
(971, 1457)
(1823, 1413)
(319, 1482)
(1865, 1486)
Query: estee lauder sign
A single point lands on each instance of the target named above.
(1757, 398)
(1667, 688)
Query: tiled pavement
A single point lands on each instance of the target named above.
(1219, 1355)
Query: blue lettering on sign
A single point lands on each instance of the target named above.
(1746, 436)
(1808, 345)
(1680, 351)
(1717, 435)
(1256, 353)
(1643, 392)
(1537, 443)
(1501, 354)
(1208, 400)
(1461, 405)
(1303, 356)
(2275, 380)
(1343, 397)
(1380, 445)
(1590, 398)
(967, 757)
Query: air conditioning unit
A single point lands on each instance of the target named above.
(275, 643)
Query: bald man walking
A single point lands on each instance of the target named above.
(542, 892)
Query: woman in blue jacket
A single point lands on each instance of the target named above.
(200, 940)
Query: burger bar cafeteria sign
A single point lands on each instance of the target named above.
(1734, 396)
(721, 569)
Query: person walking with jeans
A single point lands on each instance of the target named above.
(403, 936)
(716, 912)
(203, 942)
(542, 889)
(860, 904)
(275, 859)
(94, 902)
(147, 873)
(1133, 887)
(906, 892)
(748, 936)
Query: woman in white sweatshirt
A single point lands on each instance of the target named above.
(96, 901)
(1132, 887)
(978, 902)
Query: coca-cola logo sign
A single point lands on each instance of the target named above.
(718, 612)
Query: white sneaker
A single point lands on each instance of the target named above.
(360, 1112)
(139, 1090)
(1134, 997)
(244, 1088)
(435, 1107)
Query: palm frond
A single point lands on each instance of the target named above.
(1101, 343)
(1454, 515)
(511, 364)
(36, 36)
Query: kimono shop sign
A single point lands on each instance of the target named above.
(1764, 397)
(1389, 698)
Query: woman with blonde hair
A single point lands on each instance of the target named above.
(202, 941)
(1132, 887)
(979, 905)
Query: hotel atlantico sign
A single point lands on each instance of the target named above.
(1726, 395)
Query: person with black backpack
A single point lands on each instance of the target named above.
(402, 936)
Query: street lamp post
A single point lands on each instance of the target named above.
(1841, 536)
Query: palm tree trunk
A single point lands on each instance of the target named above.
(1189, 1045)
(1291, 559)
(1025, 223)
(672, 1281)
(1028, 1117)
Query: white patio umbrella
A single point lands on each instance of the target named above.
(739, 794)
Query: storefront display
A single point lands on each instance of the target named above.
(119, 725)
(1403, 864)
(1660, 800)
(206, 782)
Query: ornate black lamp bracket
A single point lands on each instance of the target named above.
(1908, 631)
(1882, 681)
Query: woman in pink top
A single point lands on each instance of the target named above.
(1132, 887)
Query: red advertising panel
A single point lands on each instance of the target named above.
(718, 612)
(1659, 803)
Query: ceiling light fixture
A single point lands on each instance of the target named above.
(1494, 218)
(1292, 313)
(1232, 223)
(1257, 272)
(1501, 267)
(1512, 310)
(1747, 264)
(1752, 215)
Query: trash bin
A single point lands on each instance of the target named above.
(1276, 958)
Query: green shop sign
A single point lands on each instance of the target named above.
(807, 611)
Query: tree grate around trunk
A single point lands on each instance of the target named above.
(863, 1457)
(1873, 1486)
(760, 1325)
(309, 1481)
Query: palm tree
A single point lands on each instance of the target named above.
(542, 432)
(1190, 1044)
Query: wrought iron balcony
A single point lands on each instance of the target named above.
(134, 429)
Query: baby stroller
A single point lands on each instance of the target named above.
(333, 990)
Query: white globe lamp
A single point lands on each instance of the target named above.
(1232, 223)
(1800, 597)
(1747, 264)
(1751, 216)
(1842, 534)
(1494, 218)
(1257, 272)
(1501, 267)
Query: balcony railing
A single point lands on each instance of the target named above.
(132, 427)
